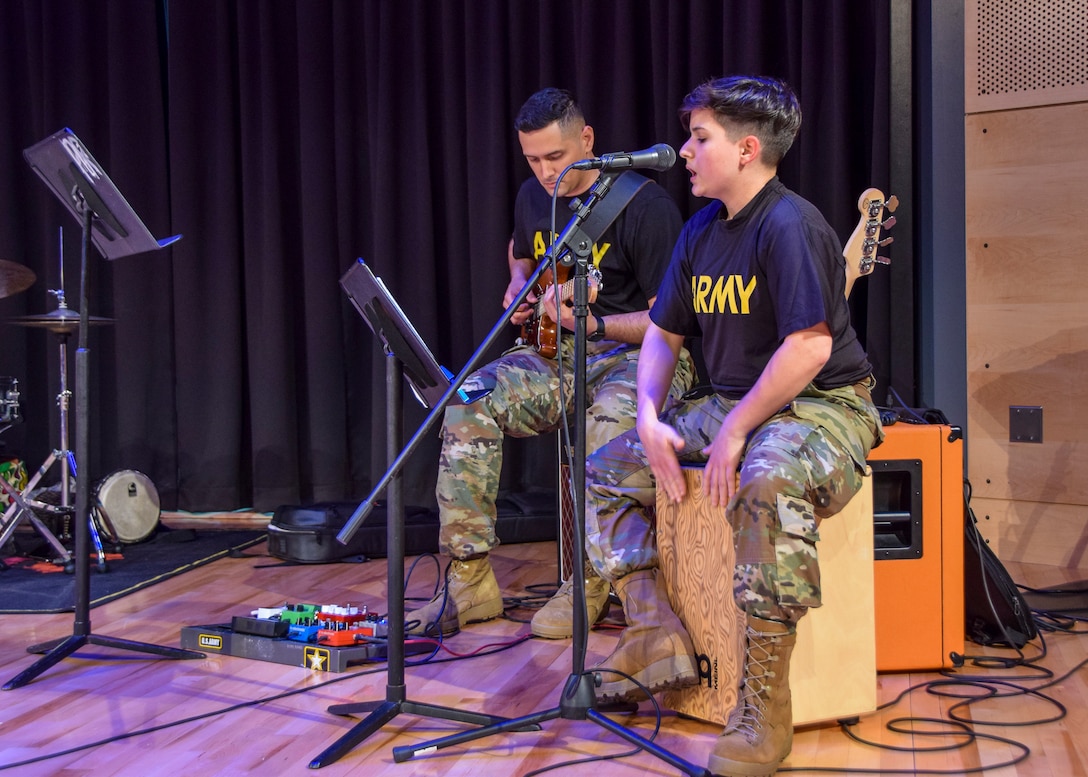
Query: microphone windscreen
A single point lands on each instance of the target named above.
(666, 157)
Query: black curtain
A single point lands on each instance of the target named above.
(284, 140)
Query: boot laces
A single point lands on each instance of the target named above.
(759, 660)
(567, 589)
(456, 571)
(442, 596)
(458, 576)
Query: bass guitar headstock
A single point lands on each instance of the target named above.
(860, 251)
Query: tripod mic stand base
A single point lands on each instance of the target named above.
(578, 703)
(57, 650)
(384, 711)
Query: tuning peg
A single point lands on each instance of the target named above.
(892, 203)
(886, 241)
(883, 260)
(888, 223)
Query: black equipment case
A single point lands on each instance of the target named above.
(307, 535)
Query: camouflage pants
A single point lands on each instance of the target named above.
(524, 401)
(801, 466)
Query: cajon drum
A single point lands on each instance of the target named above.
(833, 668)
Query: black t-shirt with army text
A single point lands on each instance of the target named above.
(744, 284)
(631, 254)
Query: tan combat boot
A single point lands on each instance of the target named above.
(555, 620)
(654, 649)
(759, 734)
(471, 594)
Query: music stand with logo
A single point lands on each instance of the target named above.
(81, 184)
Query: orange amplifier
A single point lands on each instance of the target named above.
(918, 533)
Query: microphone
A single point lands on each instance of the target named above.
(660, 158)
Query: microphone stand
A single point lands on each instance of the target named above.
(578, 700)
(396, 700)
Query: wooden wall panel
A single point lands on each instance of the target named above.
(1034, 532)
(1027, 325)
(1024, 54)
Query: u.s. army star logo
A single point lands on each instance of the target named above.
(316, 658)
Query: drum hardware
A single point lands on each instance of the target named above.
(62, 322)
(10, 405)
(23, 506)
(47, 506)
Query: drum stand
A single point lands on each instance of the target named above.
(61, 325)
(22, 506)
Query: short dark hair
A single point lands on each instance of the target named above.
(754, 105)
(547, 106)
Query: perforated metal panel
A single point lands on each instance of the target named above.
(1025, 52)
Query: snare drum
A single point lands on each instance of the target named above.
(129, 505)
(10, 406)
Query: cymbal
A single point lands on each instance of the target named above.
(61, 321)
(14, 278)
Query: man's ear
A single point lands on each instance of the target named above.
(587, 140)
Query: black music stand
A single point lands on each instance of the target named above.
(407, 356)
(578, 699)
(81, 184)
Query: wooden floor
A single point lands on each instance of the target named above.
(108, 712)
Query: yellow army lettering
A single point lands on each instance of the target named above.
(710, 295)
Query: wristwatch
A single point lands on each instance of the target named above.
(598, 333)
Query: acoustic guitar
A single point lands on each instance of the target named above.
(539, 330)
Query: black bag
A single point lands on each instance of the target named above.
(994, 607)
(307, 535)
